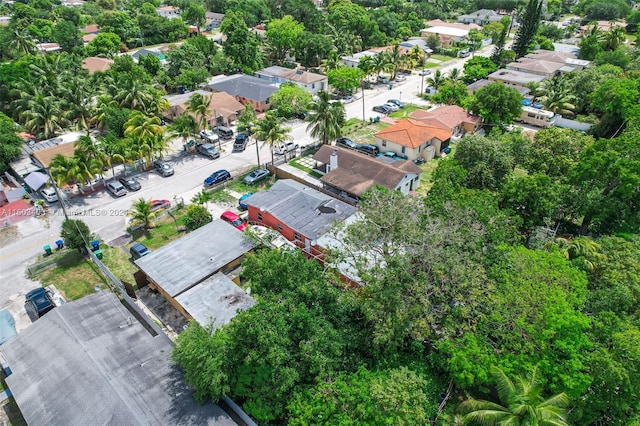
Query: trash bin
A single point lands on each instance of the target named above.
(98, 254)
(47, 250)
(95, 245)
(390, 86)
(59, 244)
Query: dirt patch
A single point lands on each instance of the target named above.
(8, 234)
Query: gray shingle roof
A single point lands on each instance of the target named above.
(245, 86)
(301, 208)
(90, 362)
(185, 262)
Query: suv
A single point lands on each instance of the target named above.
(40, 300)
(368, 149)
(209, 136)
(464, 53)
(49, 194)
(346, 143)
(208, 150)
(138, 250)
(223, 132)
(163, 168)
(116, 188)
(384, 109)
(216, 177)
(240, 143)
(283, 149)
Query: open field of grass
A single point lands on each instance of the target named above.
(118, 261)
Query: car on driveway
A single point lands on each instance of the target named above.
(40, 300)
(424, 72)
(368, 149)
(216, 177)
(131, 183)
(234, 219)
(49, 194)
(392, 107)
(256, 176)
(284, 148)
(382, 109)
(240, 143)
(159, 204)
(139, 250)
(241, 202)
(209, 136)
(396, 102)
(116, 188)
(346, 143)
(208, 150)
(163, 168)
(401, 77)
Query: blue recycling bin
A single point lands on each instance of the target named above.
(95, 245)
(59, 244)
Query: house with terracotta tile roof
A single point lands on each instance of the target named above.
(86, 39)
(223, 108)
(451, 118)
(95, 64)
(91, 29)
(413, 139)
(567, 58)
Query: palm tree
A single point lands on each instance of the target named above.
(582, 248)
(43, 116)
(199, 106)
(325, 118)
(417, 56)
(246, 124)
(113, 149)
(202, 198)
(381, 63)
(437, 80)
(85, 147)
(142, 126)
(100, 112)
(270, 131)
(332, 62)
(182, 127)
(79, 100)
(455, 75)
(395, 57)
(557, 96)
(141, 213)
(61, 169)
(614, 38)
(21, 44)
(522, 402)
(366, 65)
(132, 93)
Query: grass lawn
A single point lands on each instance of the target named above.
(163, 233)
(74, 276)
(428, 169)
(365, 134)
(431, 65)
(442, 58)
(405, 112)
(118, 262)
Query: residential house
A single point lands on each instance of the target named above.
(168, 12)
(193, 260)
(86, 38)
(547, 69)
(416, 41)
(5, 20)
(603, 26)
(91, 29)
(213, 20)
(48, 47)
(349, 173)
(310, 82)
(246, 89)
(473, 87)
(569, 59)
(143, 52)
(223, 109)
(92, 361)
(413, 139)
(95, 64)
(72, 3)
(451, 118)
(515, 78)
(480, 17)
(448, 32)
(300, 213)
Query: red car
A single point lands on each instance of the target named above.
(159, 204)
(234, 219)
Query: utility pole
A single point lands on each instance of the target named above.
(363, 113)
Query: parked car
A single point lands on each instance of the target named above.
(392, 155)
(382, 108)
(208, 150)
(209, 136)
(256, 176)
(404, 71)
(368, 149)
(139, 250)
(392, 107)
(49, 194)
(40, 300)
(300, 115)
(131, 183)
(347, 99)
(240, 143)
(163, 168)
(346, 143)
(284, 148)
(464, 53)
(383, 79)
(241, 202)
(116, 188)
(234, 219)
(396, 102)
(424, 72)
(401, 77)
(159, 204)
(223, 132)
(216, 177)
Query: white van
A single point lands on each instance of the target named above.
(49, 194)
(116, 188)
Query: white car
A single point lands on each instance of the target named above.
(49, 194)
(209, 136)
(424, 72)
(392, 107)
(284, 148)
(400, 77)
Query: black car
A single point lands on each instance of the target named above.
(240, 143)
(139, 250)
(346, 143)
(223, 132)
(216, 177)
(208, 150)
(368, 149)
(40, 300)
(131, 183)
(382, 108)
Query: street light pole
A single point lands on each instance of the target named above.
(422, 86)
(362, 86)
